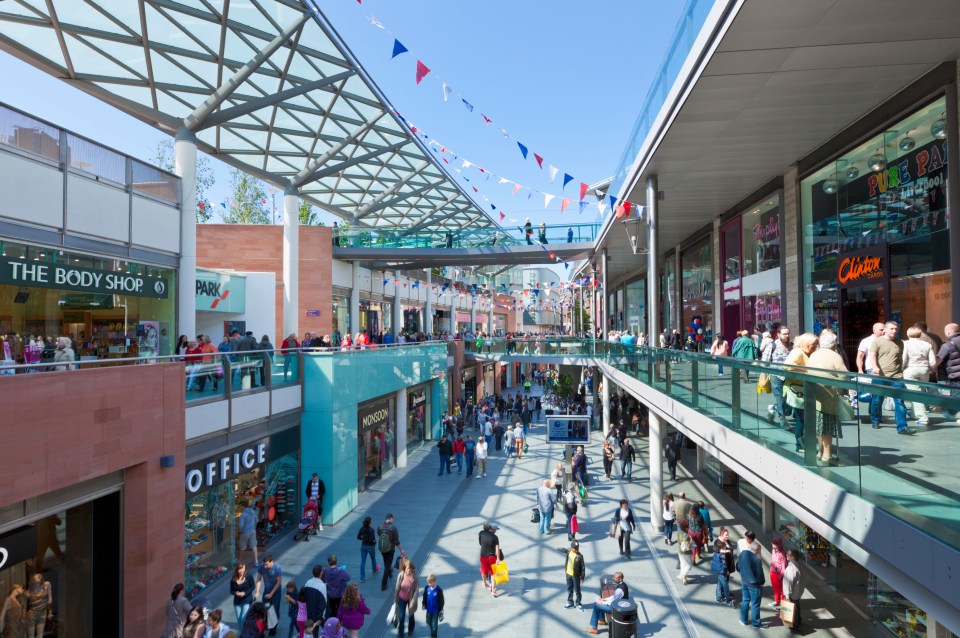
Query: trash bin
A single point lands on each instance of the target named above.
(623, 619)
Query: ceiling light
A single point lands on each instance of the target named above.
(852, 172)
(877, 162)
(907, 144)
(830, 186)
(939, 128)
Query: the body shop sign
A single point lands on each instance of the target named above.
(65, 277)
(861, 268)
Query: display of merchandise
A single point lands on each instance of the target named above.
(793, 536)
(893, 611)
(817, 548)
(205, 577)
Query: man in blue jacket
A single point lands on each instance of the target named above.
(753, 579)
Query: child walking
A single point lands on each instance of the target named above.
(433, 604)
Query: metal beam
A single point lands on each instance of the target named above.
(353, 161)
(421, 221)
(202, 112)
(396, 200)
(373, 204)
(301, 177)
(225, 115)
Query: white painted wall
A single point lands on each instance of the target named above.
(32, 191)
(155, 224)
(97, 209)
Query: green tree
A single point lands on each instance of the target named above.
(564, 385)
(581, 318)
(163, 157)
(247, 200)
(308, 214)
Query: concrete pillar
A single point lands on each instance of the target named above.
(185, 166)
(490, 316)
(428, 321)
(605, 405)
(355, 301)
(656, 472)
(653, 258)
(401, 427)
(397, 305)
(473, 314)
(604, 296)
(291, 263)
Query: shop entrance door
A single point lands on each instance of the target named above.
(860, 308)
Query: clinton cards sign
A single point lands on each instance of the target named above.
(64, 277)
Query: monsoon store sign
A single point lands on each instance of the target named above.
(74, 278)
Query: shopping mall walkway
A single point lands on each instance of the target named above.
(439, 519)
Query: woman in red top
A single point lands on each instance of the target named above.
(193, 361)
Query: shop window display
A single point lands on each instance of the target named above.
(417, 418)
(109, 308)
(697, 286)
(376, 440)
(895, 612)
(876, 231)
(340, 316)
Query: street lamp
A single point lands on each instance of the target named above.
(633, 228)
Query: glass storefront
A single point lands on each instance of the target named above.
(56, 559)
(375, 317)
(109, 308)
(876, 232)
(669, 284)
(418, 417)
(697, 290)
(377, 440)
(219, 488)
(413, 320)
(340, 316)
(635, 306)
(750, 254)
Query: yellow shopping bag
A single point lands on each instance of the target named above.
(500, 573)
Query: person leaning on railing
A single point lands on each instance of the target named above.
(803, 347)
(830, 409)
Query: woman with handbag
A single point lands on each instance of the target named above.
(607, 459)
(624, 525)
(696, 532)
(406, 592)
(803, 347)
(829, 398)
(669, 518)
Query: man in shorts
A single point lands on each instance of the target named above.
(489, 555)
(247, 529)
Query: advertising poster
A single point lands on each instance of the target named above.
(568, 429)
(148, 333)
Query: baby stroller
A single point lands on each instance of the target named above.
(309, 524)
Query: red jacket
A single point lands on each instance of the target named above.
(459, 446)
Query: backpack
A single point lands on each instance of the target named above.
(718, 564)
(384, 543)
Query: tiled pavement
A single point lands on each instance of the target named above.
(439, 518)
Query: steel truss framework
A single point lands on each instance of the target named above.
(268, 86)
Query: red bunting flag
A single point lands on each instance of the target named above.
(626, 208)
(539, 159)
(552, 256)
(475, 189)
(516, 187)
(485, 118)
(564, 203)
(422, 71)
(502, 216)
(414, 129)
(619, 211)
(583, 190)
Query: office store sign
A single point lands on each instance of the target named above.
(225, 467)
(74, 278)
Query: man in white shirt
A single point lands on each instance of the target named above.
(604, 605)
(864, 349)
(480, 454)
(315, 591)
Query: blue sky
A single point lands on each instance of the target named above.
(564, 78)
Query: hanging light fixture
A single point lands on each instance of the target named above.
(830, 186)
(852, 172)
(939, 128)
(877, 162)
(907, 143)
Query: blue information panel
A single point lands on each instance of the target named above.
(568, 428)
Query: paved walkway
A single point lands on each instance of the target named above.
(439, 519)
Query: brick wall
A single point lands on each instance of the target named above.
(260, 249)
(81, 424)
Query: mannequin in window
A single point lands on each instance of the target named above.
(39, 596)
(13, 623)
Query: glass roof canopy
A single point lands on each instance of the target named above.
(267, 86)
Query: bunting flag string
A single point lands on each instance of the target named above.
(447, 90)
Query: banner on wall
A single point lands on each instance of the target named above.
(74, 278)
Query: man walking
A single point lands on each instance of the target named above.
(247, 530)
(388, 540)
(315, 591)
(751, 575)
(269, 576)
(793, 585)
(446, 451)
(672, 452)
(885, 359)
(337, 579)
(603, 606)
(627, 457)
(489, 556)
(546, 499)
(459, 447)
(575, 572)
(481, 452)
(580, 466)
(470, 451)
(948, 359)
(777, 351)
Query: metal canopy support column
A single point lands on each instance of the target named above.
(653, 314)
(605, 400)
(291, 261)
(185, 166)
(397, 308)
(605, 318)
(355, 301)
(473, 311)
(428, 310)
(222, 92)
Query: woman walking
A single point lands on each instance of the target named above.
(919, 361)
(684, 549)
(195, 626)
(178, 607)
(778, 563)
(352, 610)
(829, 398)
(669, 519)
(803, 347)
(695, 530)
(720, 348)
(368, 543)
(405, 594)
(519, 437)
(625, 525)
(607, 459)
(241, 586)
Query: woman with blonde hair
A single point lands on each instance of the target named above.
(803, 347)
(829, 397)
(919, 361)
(13, 621)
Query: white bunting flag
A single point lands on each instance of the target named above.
(446, 91)
(547, 197)
(553, 173)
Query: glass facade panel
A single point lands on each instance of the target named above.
(341, 317)
(670, 293)
(109, 308)
(635, 306)
(876, 232)
(697, 289)
(418, 416)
